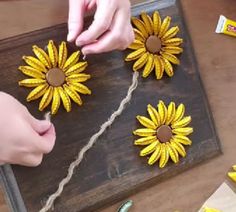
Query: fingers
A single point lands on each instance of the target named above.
(91, 5)
(119, 37)
(42, 135)
(75, 19)
(102, 21)
(39, 126)
(111, 28)
(48, 140)
(33, 148)
(45, 143)
(31, 160)
(104, 44)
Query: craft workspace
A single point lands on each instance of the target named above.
(149, 127)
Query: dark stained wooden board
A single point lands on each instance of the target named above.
(112, 169)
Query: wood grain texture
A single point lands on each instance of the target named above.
(112, 168)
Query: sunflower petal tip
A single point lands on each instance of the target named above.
(53, 112)
(150, 163)
(232, 176)
(20, 68)
(89, 92)
(68, 109)
(144, 75)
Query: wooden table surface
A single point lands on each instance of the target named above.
(216, 58)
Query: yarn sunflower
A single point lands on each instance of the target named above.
(165, 133)
(232, 174)
(55, 77)
(155, 45)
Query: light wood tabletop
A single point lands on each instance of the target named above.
(215, 55)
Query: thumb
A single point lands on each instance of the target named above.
(75, 20)
(40, 126)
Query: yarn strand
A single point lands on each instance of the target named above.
(51, 199)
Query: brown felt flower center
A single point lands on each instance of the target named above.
(164, 133)
(55, 77)
(153, 44)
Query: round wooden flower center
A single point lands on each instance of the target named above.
(164, 133)
(55, 77)
(153, 44)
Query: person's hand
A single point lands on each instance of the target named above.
(111, 28)
(23, 139)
